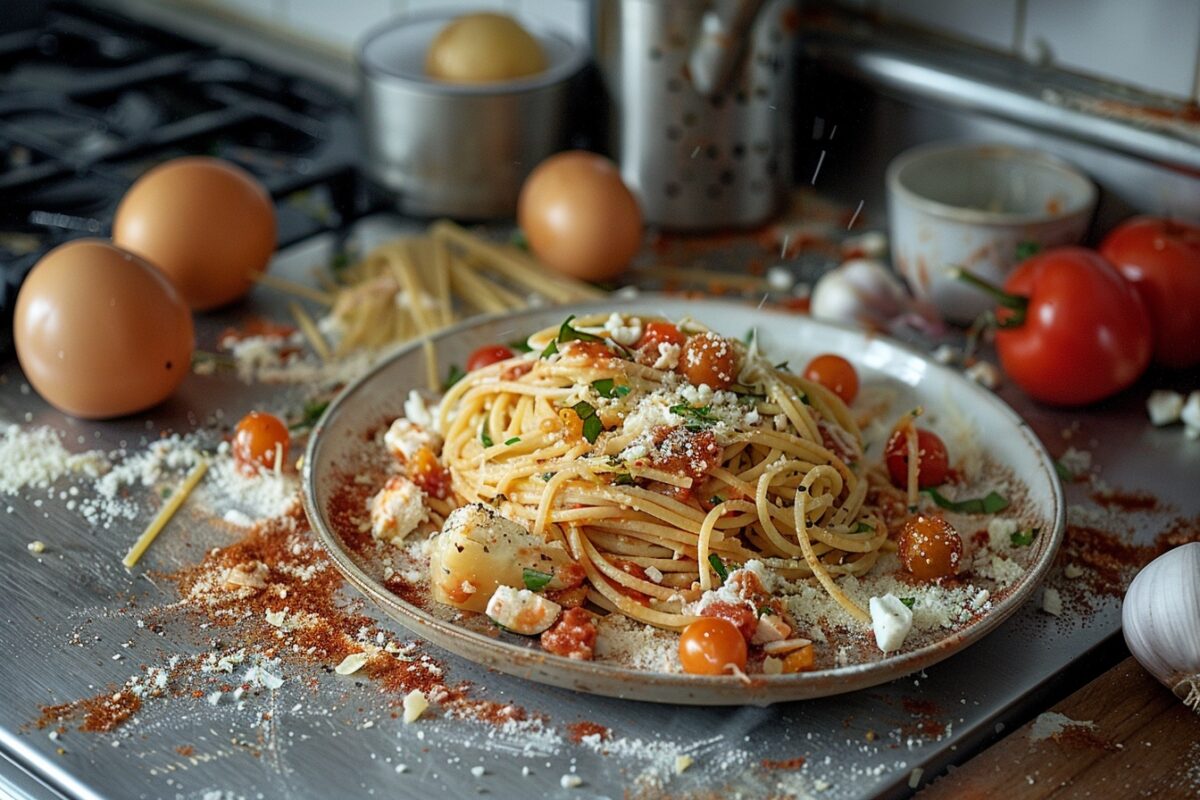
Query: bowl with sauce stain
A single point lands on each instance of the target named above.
(983, 207)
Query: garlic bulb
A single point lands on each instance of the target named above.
(1161, 618)
(866, 292)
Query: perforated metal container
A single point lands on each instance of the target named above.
(698, 156)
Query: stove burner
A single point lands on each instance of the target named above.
(92, 100)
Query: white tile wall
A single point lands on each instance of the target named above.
(1154, 44)
(340, 24)
(988, 22)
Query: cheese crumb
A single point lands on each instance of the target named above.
(276, 618)
(891, 620)
(415, 704)
(478, 771)
(772, 665)
(1073, 571)
(682, 763)
(983, 373)
(36, 546)
(570, 781)
(1164, 407)
(1191, 415)
(1052, 602)
(351, 664)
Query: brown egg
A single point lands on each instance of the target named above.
(579, 217)
(206, 223)
(481, 48)
(100, 332)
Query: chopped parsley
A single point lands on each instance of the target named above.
(991, 504)
(1065, 475)
(749, 337)
(535, 580)
(863, 527)
(909, 601)
(623, 479)
(520, 346)
(1024, 538)
(718, 566)
(165, 492)
(592, 426)
(716, 500)
(453, 376)
(608, 388)
(765, 610)
(513, 440)
(550, 350)
(700, 417)
(546, 476)
(484, 436)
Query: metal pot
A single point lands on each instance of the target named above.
(458, 150)
(701, 96)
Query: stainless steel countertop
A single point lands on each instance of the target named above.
(66, 613)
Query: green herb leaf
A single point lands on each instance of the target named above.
(608, 388)
(546, 476)
(584, 409)
(312, 412)
(1024, 538)
(624, 479)
(783, 366)
(1065, 475)
(863, 527)
(700, 417)
(764, 610)
(513, 440)
(520, 346)
(716, 500)
(453, 376)
(749, 337)
(535, 580)
(592, 428)
(484, 436)
(550, 350)
(718, 566)
(165, 492)
(518, 240)
(909, 601)
(566, 333)
(1027, 250)
(991, 504)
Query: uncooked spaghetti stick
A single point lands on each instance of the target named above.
(469, 285)
(293, 287)
(310, 331)
(164, 515)
(441, 278)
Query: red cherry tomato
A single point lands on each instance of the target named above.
(933, 463)
(1077, 331)
(834, 373)
(257, 439)
(709, 359)
(929, 548)
(1161, 258)
(488, 354)
(709, 644)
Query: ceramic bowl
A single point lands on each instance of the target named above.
(978, 206)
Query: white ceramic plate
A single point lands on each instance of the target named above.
(343, 439)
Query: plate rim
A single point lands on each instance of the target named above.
(762, 689)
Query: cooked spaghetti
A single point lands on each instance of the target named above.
(638, 468)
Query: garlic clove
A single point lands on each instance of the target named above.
(865, 292)
(1161, 621)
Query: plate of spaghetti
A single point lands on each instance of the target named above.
(682, 501)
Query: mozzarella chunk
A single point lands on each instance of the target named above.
(397, 510)
(771, 628)
(891, 620)
(1052, 602)
(1164, 407)
(1191, 415)
(623, 332)
(404, 438)
(522, 611)
(485, 550)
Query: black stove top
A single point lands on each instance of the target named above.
(89, 100)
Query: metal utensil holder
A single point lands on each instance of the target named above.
(698, 157)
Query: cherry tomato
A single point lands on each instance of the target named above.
(929, 548)
(933, 463)
(709, 644)
(834, 373)
(656, 333)
(256, 439)
(427, 472)
(1073, 331)
(710, 359)
(488, 354)
(1161, 258)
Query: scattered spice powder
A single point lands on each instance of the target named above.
(1082, 737)
(578, 730)
(784, 763)
(1125, 500)
(101, 714)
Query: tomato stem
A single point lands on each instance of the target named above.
(1016, 303)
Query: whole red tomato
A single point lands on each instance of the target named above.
(1072, 330)
(1161, 258)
